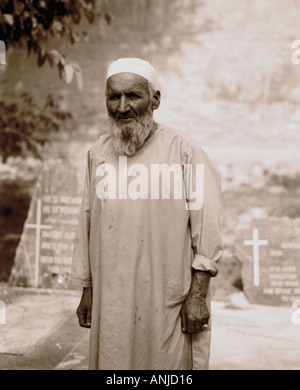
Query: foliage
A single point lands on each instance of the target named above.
(26, 126)
(31, 22)
(289, 182)
(14, 204)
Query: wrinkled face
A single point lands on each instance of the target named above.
(127, 98)
(130, 103)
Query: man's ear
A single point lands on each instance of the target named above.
(156, 100)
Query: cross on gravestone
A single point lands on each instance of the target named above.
(276, 266)
(44, 254)
(256, 243)
(38, 226)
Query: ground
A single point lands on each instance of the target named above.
(42, 333)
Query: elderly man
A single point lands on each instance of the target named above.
(143, 254)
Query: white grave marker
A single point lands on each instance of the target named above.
(38, 226)
(256, 243)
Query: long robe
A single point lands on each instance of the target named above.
(138, 254)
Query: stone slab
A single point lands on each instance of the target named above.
(275, 279)
(44, 255)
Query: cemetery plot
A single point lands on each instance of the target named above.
(44, 256)
(270, 254)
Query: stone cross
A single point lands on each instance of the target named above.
(38, 226)
(256, 243)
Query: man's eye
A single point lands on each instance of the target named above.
(133, 96)
(114, 97)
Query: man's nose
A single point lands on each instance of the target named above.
(123, 105)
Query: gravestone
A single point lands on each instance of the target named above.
(44, 255)
(2, 53)
(2, 313)
(269, 250)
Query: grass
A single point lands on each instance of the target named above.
(276, 203)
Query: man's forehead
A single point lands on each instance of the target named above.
(127, 81)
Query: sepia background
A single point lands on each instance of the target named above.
(228, 75)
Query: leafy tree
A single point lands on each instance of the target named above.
(30, 23)
(22, 130)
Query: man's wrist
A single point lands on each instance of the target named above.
(87, 291)
(200, 283)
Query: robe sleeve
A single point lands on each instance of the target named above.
(81, 270)
(205, 219)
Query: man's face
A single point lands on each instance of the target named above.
(127, 97)
(130, 108)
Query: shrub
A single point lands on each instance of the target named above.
(14, 204)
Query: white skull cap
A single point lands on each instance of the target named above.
(133, 65)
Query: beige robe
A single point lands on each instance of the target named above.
(138, 256)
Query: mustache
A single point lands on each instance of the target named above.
(120, 117)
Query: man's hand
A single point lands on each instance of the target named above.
(84, 310)
(194, 312)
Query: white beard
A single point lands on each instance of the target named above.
(127, 139)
